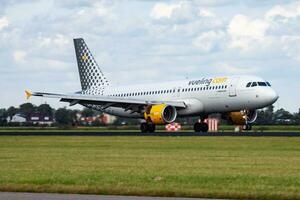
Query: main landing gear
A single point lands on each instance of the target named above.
(147, 127)
(201, 126)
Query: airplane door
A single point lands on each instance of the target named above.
(232, 87)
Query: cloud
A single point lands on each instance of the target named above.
(226, 68)
(209, 41)
(243, 31)
(181, 12)
(284, 11)
(3, 22)
(291, 46)
(163, 10)
(284, 19)
(19, 56)
(206, 13)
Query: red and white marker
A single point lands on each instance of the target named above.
(173, 127)
(213, 124)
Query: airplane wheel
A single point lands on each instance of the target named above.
(151, 128)
(247, 127)
(144, 127)
(147, 127)
(200, 127)
(197, 127)
(204, 127)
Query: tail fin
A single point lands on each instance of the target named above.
(91, 77)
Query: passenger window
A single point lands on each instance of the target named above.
(248, 84)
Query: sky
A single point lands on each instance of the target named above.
(137, 41)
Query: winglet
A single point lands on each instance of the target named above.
(28, 94)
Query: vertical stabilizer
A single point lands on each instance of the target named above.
(91, 77)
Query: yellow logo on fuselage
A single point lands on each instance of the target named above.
(219, 80)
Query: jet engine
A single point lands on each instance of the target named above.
(160, 114)
(243, 117)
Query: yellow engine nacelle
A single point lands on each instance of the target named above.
(242, 117)
(160, 114)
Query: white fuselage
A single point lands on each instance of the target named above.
(204, 95)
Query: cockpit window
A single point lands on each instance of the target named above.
(254, 84)
(262, 84)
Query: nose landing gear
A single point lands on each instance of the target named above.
(247, 127)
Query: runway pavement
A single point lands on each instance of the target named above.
(46, 196)
(174, 134)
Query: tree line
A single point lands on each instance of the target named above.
(62, 116)
(70, 117)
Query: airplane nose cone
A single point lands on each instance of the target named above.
(271, 96)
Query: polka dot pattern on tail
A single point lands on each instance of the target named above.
(91, 77)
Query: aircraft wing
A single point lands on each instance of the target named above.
(105, 101)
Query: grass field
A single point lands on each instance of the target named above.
(220, 167)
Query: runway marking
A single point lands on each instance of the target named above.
(49, 196)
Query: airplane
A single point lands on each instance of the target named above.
(237, 98)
